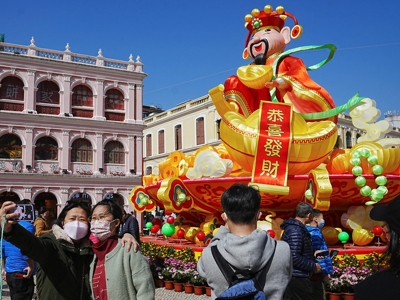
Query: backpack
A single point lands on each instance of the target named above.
(245, 287)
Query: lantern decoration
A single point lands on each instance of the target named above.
(377, 230)
(201, 236)
(156, 221)
(155, 229)
(180, 233)
(375, 194)
(343, 237)
(168, 229)
(271, 233)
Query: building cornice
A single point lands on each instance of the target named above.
(21, 119)
(177, 115)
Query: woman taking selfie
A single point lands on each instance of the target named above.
(116, 274)
(63, 255)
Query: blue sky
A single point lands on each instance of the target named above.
(202, 41)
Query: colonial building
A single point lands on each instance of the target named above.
(194, 123)
(70, 126)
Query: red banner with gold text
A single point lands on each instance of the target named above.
(273, 148)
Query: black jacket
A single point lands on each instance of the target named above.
(131, 226)
(63, 269)
(384, 285)
(299, 239)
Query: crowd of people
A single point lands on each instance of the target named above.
(82, 256)
(79, 257)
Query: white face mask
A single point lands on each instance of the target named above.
(101, 229)
(76, 230)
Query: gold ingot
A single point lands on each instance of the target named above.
(255, 76)
(248, 18)
(362, 237)
(280, 10)
(268, 9)
(255, 12)
(330, 235)
(283, 17)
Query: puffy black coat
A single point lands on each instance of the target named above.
(131, 226)
(299, 239)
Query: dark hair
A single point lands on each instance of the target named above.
(303, 209)
(113, 208)
(42, 210)
(315, 213)
(393, 252)
(71, 205)
(241, 203)
(24, 201)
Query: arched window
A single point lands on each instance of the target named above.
(82, 151)
(149, 170)
(46, 149)
(12, 88)
(114, 101)
(82, 96)
(12, 94)
(200, 131)
(10, 146)
(48, 98)
(348, 140)
(161, 142)
(115, 153)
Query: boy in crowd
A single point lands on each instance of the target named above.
(318, 243)
(245, 248)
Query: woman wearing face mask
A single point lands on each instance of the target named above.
(114, 273)
(63, 255)
(319, 245)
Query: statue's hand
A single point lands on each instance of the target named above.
(272, 84)
(278, 83)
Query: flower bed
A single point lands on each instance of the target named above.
(348, 271)
(169, 264)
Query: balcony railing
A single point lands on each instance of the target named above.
(68, 56)
(186, 106)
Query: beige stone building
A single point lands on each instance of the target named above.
(194, 123)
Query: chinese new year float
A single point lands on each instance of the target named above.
(278, 133)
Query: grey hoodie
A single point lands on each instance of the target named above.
(250, 252)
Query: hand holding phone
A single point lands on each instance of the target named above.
(26, 213)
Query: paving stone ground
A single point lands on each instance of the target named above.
(161, 294)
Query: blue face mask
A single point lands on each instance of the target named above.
(321, 224)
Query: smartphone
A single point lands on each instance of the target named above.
(26, 213)
(334, 253)
(325, 253)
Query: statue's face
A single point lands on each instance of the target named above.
(267, 42)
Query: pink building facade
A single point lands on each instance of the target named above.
(70, 126)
